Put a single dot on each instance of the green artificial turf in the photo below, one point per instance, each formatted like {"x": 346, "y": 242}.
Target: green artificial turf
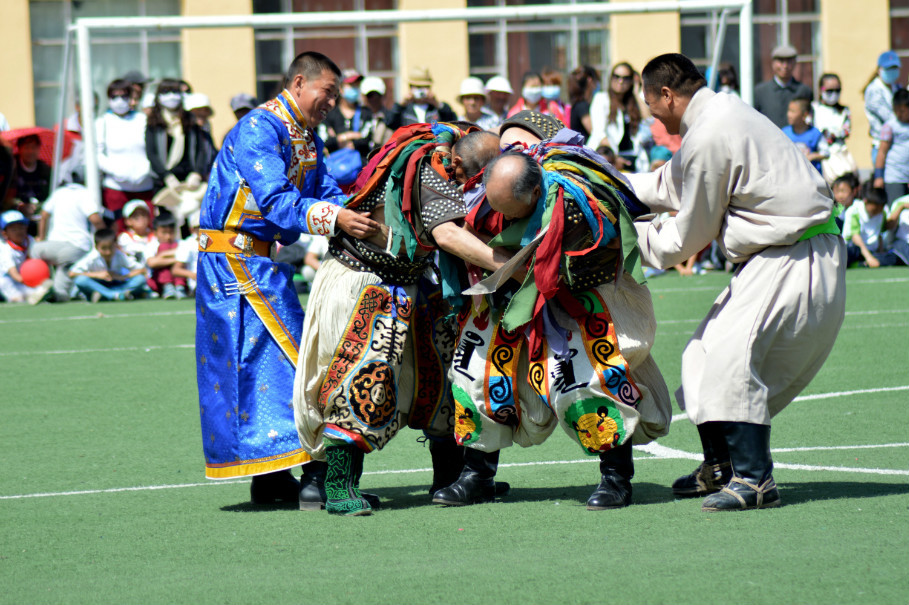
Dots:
{"x": 102, "y": 397}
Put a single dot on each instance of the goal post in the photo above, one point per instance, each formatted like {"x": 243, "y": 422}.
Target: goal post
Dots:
{"x": 83, "y": 28}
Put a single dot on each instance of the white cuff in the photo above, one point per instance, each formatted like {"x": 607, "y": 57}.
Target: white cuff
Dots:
{"x": 321, "y": 218}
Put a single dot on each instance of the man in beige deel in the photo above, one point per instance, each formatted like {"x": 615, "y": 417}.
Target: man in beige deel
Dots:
{"x": 739, "y": 180}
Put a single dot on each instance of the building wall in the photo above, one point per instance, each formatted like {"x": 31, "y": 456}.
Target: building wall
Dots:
{"x": 442, "y": 47}
{"x": 847, "y": 31}
{"x": 219, "y": 62}
{"x": 638, "y": 38}
{"x": 17, "y": 95}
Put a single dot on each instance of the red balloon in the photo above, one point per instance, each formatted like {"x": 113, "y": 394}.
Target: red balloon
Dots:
{"x": 34, "y": 271}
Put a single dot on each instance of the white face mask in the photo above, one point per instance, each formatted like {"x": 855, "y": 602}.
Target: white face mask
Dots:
{"x": 171, "y": 100}
{"x": 831, "y": 97}
{"x": 118, "y": 105}
{"x": 552, "y": 92}
{"x": 532, "y": 94}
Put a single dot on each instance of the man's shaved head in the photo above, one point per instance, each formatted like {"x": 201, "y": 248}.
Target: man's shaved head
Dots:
{"x": 472, "y": 152}
{"x": 514, "y": 183}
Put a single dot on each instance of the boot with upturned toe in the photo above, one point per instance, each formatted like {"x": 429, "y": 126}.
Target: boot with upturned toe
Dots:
{"x": 274, "y": 487}
{"x": 752, "y": 485}
{"x": 616, "y": 470}
{"x": 711, "y": 475}
{"x": 312, "y": 487}
{"x": 476, "y": 484}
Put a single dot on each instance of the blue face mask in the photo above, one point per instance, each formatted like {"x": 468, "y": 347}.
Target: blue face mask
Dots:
{"x": 552, "y": 92}
{"x": 352, "y": 94}
{"x": 890, "y": 75}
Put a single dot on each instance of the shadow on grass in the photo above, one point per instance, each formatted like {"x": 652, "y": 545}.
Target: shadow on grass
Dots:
{"x": 416, "y": 496}
{"x": 802, "y": 492}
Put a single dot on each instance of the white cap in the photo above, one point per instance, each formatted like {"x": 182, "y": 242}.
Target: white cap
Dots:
{"x": 372, "y": 84}
{"x": 196, "y": 100}
{"x": 471, "y": 86}
{"x": 499, "y": 84}
{"x": 132, "y": 205}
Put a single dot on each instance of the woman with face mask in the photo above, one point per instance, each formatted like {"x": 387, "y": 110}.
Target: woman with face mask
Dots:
{"x": 531, "y": 95}
{"x": 349, "y": 124}
{"x": 180, "y": 152}
{"x": 879, "y": 96}
{"x": 552, "y": 96}
{"x": 120, "y": 133}
{"x": 834, "y": 120}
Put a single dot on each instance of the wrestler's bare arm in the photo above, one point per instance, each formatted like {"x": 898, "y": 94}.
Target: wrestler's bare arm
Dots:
{"x": 458, "y": 240}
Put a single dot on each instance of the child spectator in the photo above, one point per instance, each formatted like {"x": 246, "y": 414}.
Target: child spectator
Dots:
{"x": 13, "y": 252}
{"x": 32, "y": 174}
{"x": 138, "y": 241}
{"x": 899, "y": 222}
{"x": 891, "y": 168}
{"x": 162, "y": 280}
{"x": 187, "y": 255}
{"x": 844, "y": 189}
{"x": 806, "y": 137}
{"x": 866, "y": 228}
{"x": 106, "y": 273}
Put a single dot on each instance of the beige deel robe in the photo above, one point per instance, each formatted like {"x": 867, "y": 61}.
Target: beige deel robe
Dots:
{"x": 739, "y": 180}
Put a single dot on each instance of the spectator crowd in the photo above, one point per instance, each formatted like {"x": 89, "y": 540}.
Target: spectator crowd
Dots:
{"x": 155, "y": 150}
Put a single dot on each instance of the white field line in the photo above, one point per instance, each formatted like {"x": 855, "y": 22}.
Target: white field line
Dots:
{"x": 98, "y": 315}
{"x": 682, "y": 416}
{"x": 656, "y": 451}
{"x": 894, "y": 280}
{"x": 107, "y": 350}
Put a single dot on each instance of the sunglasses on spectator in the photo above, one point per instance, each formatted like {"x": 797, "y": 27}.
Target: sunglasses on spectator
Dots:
{"x": 833, "y": 90}
{"x": 621, "y": 77}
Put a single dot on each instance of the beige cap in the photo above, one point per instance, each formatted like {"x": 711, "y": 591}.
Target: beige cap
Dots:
{"x": 419, "y": 76}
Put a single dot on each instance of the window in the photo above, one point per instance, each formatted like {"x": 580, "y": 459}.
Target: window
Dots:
{"x": 899, "y": 33}
{"x": 370, "y": 49}
{"x": 511, "y": 48}
{"x": 795, "y": 22}
{"x": 155, "y": 53}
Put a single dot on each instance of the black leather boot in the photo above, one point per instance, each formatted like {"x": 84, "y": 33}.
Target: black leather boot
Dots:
{"x": 476, "y": 483}
{"x": 752, "y": 485}
{"x": 714, "y": 472}
{"x": 312, "y": 487}
{"x": 617, "y": 469}
{"x": 447, "y": 463}
{"x": 274, "y": 487}
{"x": 342, "y": 481}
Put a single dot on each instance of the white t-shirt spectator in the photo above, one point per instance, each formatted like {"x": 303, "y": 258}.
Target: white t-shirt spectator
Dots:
{"x": 121, "y": 151}
{"x": 120, "y": 264}
{"x": 69, "y": 208}
{"x": 141, "y": 248}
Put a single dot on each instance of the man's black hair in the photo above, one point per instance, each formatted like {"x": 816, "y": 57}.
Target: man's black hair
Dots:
{"x": 531, "y": 176}
{"x": 674, "y": 71}
{"x": 311, "y": 65}
{"x": 476, "y": 150}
